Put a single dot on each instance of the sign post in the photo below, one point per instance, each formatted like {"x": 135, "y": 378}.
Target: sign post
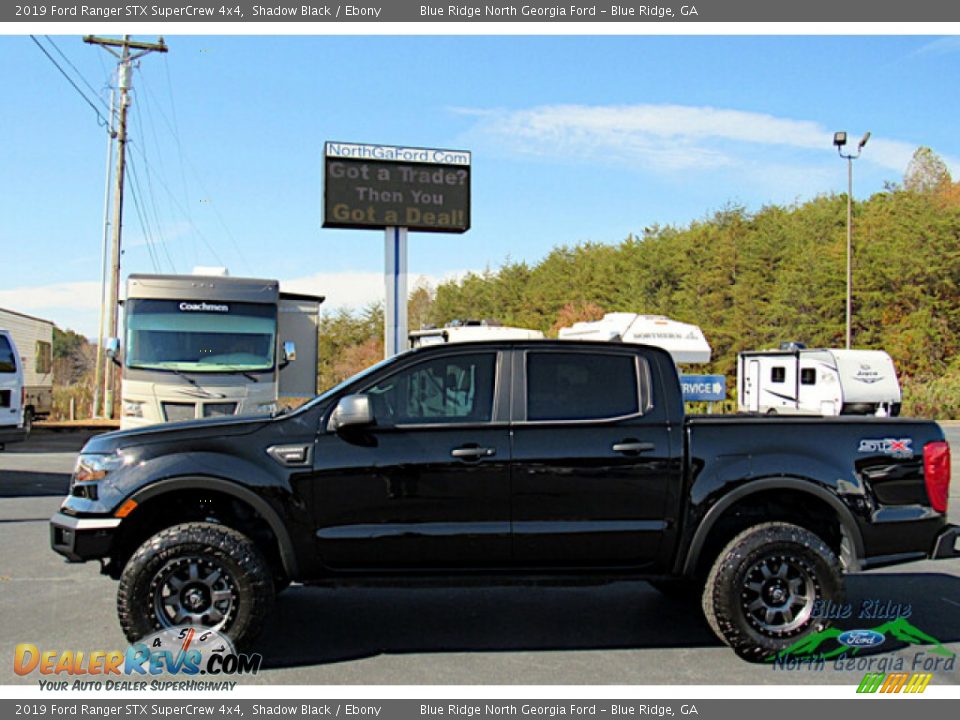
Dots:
{"x": 395, "y": 280}
{"x": 396, "y": 189}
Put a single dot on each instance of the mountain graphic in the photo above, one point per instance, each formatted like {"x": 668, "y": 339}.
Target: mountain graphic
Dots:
{"x": 899, "y": 629}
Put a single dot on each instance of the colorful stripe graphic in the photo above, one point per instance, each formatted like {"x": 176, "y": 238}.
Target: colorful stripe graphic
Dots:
{"x": 894, "y": 682}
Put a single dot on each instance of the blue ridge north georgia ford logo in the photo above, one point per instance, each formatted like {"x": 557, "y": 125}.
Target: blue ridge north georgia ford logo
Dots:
{"x": 861, "y": 638}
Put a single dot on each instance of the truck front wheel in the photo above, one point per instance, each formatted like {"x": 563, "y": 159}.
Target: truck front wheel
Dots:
{"x": 763, "y": 590}
{"x": 199, "y": 574}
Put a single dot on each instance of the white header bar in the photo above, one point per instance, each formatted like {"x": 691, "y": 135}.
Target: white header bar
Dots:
{"x": 394, "y": 153}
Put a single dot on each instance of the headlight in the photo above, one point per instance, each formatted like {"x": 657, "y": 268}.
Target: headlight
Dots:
{"x": 132, "y": 408}
{"x": 91, "y": 468}
{"x": 267, "y": 408}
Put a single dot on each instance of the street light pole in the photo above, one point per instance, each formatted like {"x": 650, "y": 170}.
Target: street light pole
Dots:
{"x": 840, "y": 139}
{"x": 849, "y": 247}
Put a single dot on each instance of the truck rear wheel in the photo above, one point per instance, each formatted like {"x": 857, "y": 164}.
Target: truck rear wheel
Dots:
{"x": 199, "y": 574}
{"x": 761, "y": 594}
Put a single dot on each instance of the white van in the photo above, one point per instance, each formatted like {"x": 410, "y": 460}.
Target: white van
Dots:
{"x": 801, "y": 381}
{"x": 33, "y": 338}
{"x": 11, "y": 392}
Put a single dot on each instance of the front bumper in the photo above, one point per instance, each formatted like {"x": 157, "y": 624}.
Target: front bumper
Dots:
{"x": 82, "y": 539}
{"x": 945, "y": 545}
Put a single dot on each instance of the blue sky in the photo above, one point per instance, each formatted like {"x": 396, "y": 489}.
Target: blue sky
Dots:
{"x": 573, "y": 139}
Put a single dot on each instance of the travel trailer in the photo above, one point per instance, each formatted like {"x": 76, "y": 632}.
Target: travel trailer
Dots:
{"x": 467, "y": 330}
{"x": 685, "y": 343}
{"x": 796, "y": 380}
{"x": 198, "y": 346}
{"x": 33, "y": 337}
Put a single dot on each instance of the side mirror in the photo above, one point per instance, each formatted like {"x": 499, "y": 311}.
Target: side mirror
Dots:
{"x": 112, "y": 349}
{"x": 288, "y": 353}
{"x": 351, "y": 411}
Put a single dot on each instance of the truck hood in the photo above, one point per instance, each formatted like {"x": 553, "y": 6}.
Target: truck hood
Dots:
{"x": 169, "y": 432}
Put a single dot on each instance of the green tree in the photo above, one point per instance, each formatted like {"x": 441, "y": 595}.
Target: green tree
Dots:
{"x": 927, "y": 172}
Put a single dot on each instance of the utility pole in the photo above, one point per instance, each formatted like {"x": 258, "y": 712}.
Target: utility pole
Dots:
{"x": 107, "y": 198}
{"x": 124, "y": 77}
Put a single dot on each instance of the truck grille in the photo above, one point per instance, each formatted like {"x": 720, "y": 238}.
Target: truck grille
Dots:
{"x": 176, "y": 412}
{"x": 219, "y": 409}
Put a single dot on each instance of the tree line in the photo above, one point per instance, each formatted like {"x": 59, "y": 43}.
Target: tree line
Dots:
{"x": 750, "y": 280}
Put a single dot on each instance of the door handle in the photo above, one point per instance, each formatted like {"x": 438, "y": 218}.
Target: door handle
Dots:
{"x": 629, "y": 446}
{"x": 472, "y": 453}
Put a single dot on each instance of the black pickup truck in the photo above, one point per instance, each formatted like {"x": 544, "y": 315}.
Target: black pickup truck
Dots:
{"x": 506, "y": 460}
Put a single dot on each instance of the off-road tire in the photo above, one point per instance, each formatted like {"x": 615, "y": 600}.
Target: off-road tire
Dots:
{"x": 251, "y": 583}
{"x": 732, "y": 586}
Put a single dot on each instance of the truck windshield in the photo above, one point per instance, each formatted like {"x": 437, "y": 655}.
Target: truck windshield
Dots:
{"x": 7, "y": 362}
{"x": 195, "y": 336}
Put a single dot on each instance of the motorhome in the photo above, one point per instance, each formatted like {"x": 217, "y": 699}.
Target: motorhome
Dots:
{"x": 467, "y": 330}
{"x": 34, "y": 339}
{"x": 198, "y": 346}
{"x": 685, "y": 343}
{"x": 796, "y": 380}
{"x": 12, "y": 392}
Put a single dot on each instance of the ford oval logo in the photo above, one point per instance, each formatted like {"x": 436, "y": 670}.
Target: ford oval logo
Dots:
{"x": 861, "y": 638}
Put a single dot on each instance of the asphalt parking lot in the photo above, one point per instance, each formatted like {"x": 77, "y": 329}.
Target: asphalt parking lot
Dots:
{"x": 620, "y": 633}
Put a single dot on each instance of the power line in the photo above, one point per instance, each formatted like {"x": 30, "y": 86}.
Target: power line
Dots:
{"x": 158, "y": 225}
{"x": 149, "y": 175}
{"x": 144, "y": 223}
{"x": 101, "y": 119}
{"x": 185, "y": 161}
{"x": 176, "y": 134}
{"x": 79, "y": 74}
{"x": 176, "y": 202}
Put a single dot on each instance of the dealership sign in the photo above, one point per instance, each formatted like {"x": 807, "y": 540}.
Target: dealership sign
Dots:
{"x": 710, "y": 388}
{"x": 380, "y": 186}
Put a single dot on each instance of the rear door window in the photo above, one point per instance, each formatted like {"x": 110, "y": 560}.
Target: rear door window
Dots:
{"x": 8, "y": 363}
{"x": 581, "y": 386}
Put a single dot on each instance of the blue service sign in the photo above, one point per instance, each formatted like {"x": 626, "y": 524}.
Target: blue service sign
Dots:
{"x": 711, "y": 388}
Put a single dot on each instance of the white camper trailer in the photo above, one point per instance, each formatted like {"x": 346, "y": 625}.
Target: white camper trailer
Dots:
{"x": 800, "y": 381}
{"x": 685, "y": 343}
{"x": 33, "y": 337}
{"x": 467, "y": 330}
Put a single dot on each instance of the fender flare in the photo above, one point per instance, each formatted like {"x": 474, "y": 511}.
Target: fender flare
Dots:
{"x": 287, "y": 554}
{"x": 847, "y": 522}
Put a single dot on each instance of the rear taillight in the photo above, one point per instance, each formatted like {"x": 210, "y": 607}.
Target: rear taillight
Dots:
{"x": 936, "y": 473}
{"x": 23, "y": 395}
